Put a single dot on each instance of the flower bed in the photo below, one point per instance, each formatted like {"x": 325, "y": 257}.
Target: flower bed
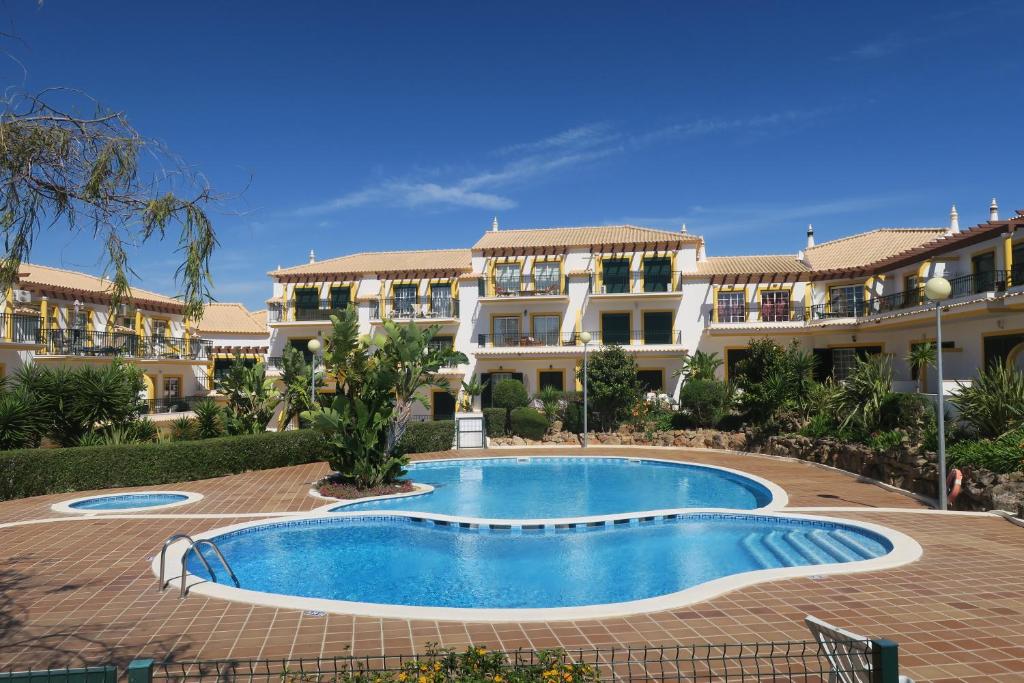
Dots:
{"x": 346, "y": 491}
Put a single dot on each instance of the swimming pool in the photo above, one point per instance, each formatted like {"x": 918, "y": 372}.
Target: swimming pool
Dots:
{"x": 127, "y": 502}
{"x": 555, "y": 487}
{"x": 407, "y": 563}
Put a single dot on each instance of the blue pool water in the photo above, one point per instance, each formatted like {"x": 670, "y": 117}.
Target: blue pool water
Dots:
{"x": 395, "y": 560}
{"x": 545, "y": 488}
{"x": 129, "y": 500}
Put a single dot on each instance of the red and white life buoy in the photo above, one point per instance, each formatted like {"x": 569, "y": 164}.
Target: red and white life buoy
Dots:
{"x": 953, "y": 482}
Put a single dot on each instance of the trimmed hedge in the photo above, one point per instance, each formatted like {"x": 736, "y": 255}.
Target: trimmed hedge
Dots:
{"x": 39, "y": 471}
{"x": 427, "y": 437}
{"x": 494, "y": 421}
{"x": 529, "y": 423}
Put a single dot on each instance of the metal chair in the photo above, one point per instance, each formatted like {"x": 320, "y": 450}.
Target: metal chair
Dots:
{"x": 848, "y": 654}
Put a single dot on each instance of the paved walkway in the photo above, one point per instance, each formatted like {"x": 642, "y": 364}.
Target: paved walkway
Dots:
{"x": 76, "y": 589}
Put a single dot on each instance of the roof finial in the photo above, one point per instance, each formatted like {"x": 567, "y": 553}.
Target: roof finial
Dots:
{"x": 682, "y": 228}
{"x": 954, "y": 220}
{"x": 810, "y": 235}
{"x": 312, "y": 256}
{"x": 494, "y": 224}
{"x": 993, "y": 210}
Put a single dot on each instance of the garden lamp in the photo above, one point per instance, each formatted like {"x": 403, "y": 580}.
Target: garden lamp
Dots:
{"x": 314, "y": 347}
{"x": 938, "y": 289}
{"x": 585, "y": 338}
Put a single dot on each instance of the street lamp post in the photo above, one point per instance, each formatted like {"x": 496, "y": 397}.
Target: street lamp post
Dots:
{"x": 585, "y": 338}
{"x": 938, "y": 289}
{"x": 314, "y": 347}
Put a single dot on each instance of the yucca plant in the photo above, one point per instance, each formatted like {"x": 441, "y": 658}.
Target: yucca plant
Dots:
{"x": 921, "y": 357}
{"x": 699, "y": 366}
{"x": 184, "y": 428}
{"x": 209, "y": 418}
{"x": 993, "y": 404}
{"x": 22, "y": 423}
{"x": 550, "y": 400}
{"x": 861, "y": 396}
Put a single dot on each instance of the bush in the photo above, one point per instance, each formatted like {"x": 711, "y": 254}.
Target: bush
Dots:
{"x": 613, "y": 386}
{"x": 529, "y": 423}
{"x": 36, "y": 472}
{"x": 427, "y": 437}
{"x": 682, "y": 421}
{"x": 510, "y": 394}
{"x": 1002, "y": 455}
{"x": 993, "y": 403}
{"x": 494, "y": 421}
{"x": 706, "y": 401}
{"x": 572, "y": 417}
{"x": 912, "y": 412}
{"x": 886, "y": 441}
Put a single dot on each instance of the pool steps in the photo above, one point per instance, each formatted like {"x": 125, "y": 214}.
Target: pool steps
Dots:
{"x": 802, "y": 547}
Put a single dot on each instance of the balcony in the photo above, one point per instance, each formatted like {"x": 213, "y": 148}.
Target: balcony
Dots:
{"x": 170, "y": 405}
{"x": 523, "y": 339}
{"x": 20, "y": 329}
{"x": 524, "y": 286}
{"x": 623, "y": 338}
{"x": 640, "y": 282}
{"x": 289, "y": 312}
{"x": 766, "y": 311}
{"x": 422, "y": 308}
{"x": 73, "y": 342}
{"x": 636, "y": 337}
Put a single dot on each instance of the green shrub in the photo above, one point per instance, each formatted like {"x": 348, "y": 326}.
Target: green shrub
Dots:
{"x": 1001, "y": 455}
{"x": 494, "y": 419}
{"x": 427, "y": 437}
{"x": 886, "y": 441}
{"x": 993, "y": 403}
{"x": 22, "y": 423}
{"x": 706, "y": 401}
{"x": 682, "y": 421}
{"x": 36, "y": 472}
{"x": 184, "y": 429}
{"x": 912, "y": 412}
{"x": 509, "y": 394}
{"x": 572, "y": 418}
{"x": 529, "y": 423}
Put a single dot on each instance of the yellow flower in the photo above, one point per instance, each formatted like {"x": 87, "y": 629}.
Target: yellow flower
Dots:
{"x": 498, "y": 678}
{"x": 423, "y": 679}
{"x": 402, "y": 676}
{"x": 481, "y": 650}
{"x": 437, "y": 666}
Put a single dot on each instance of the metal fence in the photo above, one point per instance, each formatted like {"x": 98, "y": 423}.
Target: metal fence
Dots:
{"x": 867, "y": 661}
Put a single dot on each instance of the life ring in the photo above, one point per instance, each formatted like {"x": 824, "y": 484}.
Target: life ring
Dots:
{"x": 953, "y": 482}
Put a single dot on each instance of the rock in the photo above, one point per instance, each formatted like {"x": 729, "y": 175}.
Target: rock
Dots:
{"x": 556, "y": 426}
{"x": 518, "y": 441}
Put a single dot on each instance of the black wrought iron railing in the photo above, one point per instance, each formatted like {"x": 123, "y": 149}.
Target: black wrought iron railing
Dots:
{"x": 275, "y": 362}
{"x": 639, "y": 281}
{"x": 420, "y": 308}
{"x": 20, "y": 328}
{"x": 622, "y": 338}
{"x": 766, "y": 311}
{"x": 636, "y": 337}
{"x": 178, "y": 404}
{"x": 76, "y": 342}
{"x": 979, "y": 283}
{"x": 293, "y": 311}
{"x": 525, "y": 285}
{"x": 503, "y": 339}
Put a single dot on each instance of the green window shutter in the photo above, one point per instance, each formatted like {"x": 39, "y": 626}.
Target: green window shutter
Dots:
{"x": 657, "y": 274}
{"x": 658, "y": 327}
{"x": 616, "y": 276}
{"x": 340, "y": 297}
{"x": 307, "y": 297}
{"x": 615, "y": 328}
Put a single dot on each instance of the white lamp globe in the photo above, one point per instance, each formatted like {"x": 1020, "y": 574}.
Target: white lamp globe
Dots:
{"x": 937, "y": 289}
{"x": 585, "y": 337}
{"x": 313, "y": 345}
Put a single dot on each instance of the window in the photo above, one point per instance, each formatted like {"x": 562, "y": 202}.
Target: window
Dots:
{"x": 733, "y": 357}
{"x": 443, "y": 342}
{"x": 914, "y": 369}
{"x": 651, "y": 380}
{"x": 307, "y": 298}
{"x": 491, "y": 380}
{"x": 657, "y": 274}
{"x": 341, "y": 297}
{"x": 552, "y": 378}
{"x": 984, "y": 268}
{"x": 658, "y": 327}
{"x": 441, "y": 300}
{"x": 172, "y": 387}
{"x": 506, "y": 279}
{"x": 443, "y": 406}
{"x": 405, "y": 300}
{"x": 847, "y": 300}
{"x": 507, "y": 331}
{"x": 616, "y": 276}
{"x": 912, "y": 291}
{"x": 775, "y": 306}
{"x": 615, "y": 328}
{"x": 843, "y": 362}
{"x": 546, "y": 277}
{"x": 1017, "y": 274}
{"x": 731, "y": 307}
{"x": 81, "y": 320}
{"x": 545, "y": 329}
{"x": 159, "y": 329}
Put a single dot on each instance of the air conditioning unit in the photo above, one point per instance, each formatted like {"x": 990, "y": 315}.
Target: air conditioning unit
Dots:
{"x": 22, "y": 296}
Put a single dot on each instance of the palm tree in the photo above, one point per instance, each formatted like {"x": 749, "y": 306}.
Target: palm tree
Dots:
{"x": 920, "y": 357}
{"x": 470, "y": 390}
{"x": 700, "y": 366}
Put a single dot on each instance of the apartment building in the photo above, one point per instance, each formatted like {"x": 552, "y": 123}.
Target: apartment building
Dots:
{"x": 517, "y": 301}
{"x": 61, "y": 317}
{"x": 232, "y": 332}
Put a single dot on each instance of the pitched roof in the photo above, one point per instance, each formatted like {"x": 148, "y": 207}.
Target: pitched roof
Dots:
{"x": 869, "y": 247}
{"x": 577, "y": 237}
{"x": 73, "y": 283}
{"x": 230, "y": 318}
{"x": 742, "y": 265}
{"x": 385, "y": 262}
{"x": 260, "y": 318}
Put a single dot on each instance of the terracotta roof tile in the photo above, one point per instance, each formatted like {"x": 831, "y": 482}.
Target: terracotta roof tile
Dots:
{"x": 579, "y": 237}
{"x": 866, "y": 248}
{"x": 230, "y": 318}
{"x": 46, "y": 277}
{"x": 260, "y": 318}
{"x": 753, "y": 265}
{"x": 385, "y": 262}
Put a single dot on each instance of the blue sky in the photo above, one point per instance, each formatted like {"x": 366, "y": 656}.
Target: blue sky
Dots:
{"x": 373, "y": 126}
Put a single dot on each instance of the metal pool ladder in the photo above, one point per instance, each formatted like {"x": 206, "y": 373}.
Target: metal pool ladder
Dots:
{"x": 193, "y": 546}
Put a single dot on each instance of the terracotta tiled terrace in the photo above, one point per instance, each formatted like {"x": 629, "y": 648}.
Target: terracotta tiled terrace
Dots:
{"x": 77, "y": 589}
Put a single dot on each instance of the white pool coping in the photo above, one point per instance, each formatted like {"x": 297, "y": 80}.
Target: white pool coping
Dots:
{"x": 65, "y": 506}
{"x": 905, "y": 550}
{"x": 780, "y": 498}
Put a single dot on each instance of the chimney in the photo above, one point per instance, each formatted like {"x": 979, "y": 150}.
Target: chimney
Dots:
{"x": 682, "y": 228}
{"x": 494, "y": 224}
{"x": 954, "y": 221}
{"x": 993, "y": 210}
{"x": 810, "y": 235}
{"x": 312, "y": 256}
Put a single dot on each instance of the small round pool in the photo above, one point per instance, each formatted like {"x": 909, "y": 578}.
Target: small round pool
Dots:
{"x": 555, "y": 487}
{"x": 415, "y": 562}
{"x": 122, "y": 502}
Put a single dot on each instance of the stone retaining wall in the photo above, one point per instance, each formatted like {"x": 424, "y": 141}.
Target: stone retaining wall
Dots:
{"x": 906, "y": 467}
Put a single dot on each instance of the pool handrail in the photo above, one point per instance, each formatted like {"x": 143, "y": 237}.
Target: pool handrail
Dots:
{"x": 195, "y": 546}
